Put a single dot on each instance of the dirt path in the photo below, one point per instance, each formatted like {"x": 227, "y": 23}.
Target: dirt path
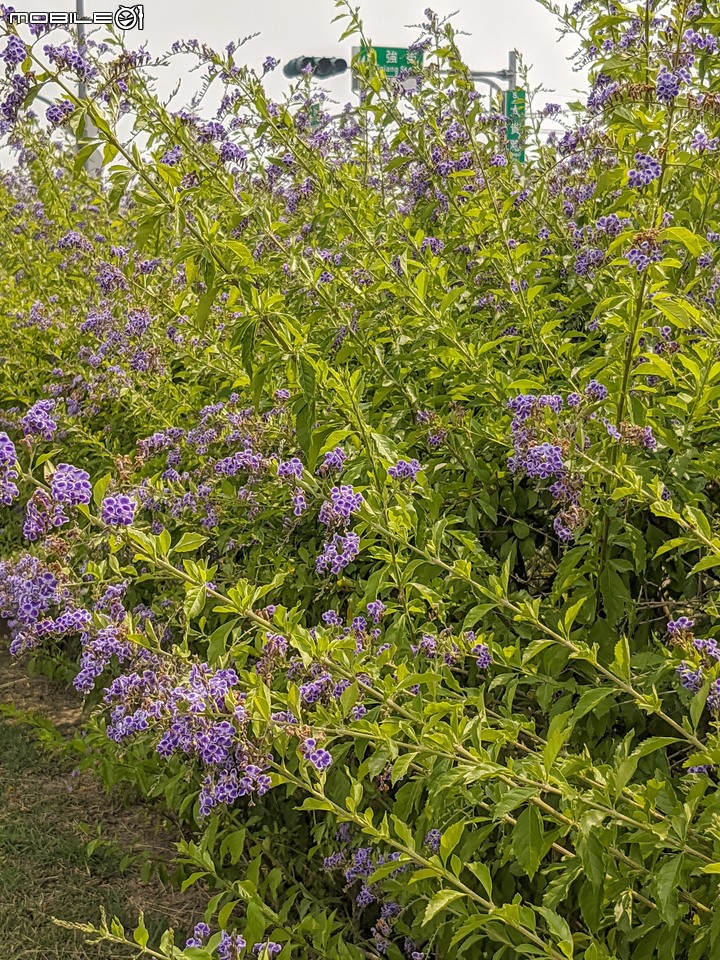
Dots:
{"x": 48, "y": 815}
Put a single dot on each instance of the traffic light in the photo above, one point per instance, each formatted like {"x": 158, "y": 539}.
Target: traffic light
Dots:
{"x": 322, "y": 67}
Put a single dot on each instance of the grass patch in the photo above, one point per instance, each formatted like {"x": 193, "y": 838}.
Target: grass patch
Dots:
{"x": 47, "y": 819}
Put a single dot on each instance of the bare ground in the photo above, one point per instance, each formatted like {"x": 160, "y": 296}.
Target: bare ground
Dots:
{"x": 48, "y": 814}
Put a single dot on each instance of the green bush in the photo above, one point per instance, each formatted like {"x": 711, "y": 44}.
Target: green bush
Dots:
{"x": 372, "y": 477}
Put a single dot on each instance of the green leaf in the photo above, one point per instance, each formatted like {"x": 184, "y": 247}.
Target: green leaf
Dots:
{"x": 665, "y": 885}
{"x": 688, "y": 239}
{"x": 140, "y": 933}
{"x": 527, "y": 840}
{"x": 614, "y": 593}
{"x": 558, "y": 733}
{"x": 194, "y": 600}
{"x": 450, "y": 839}
{"x": 589, "y": 700}
{"x": 224, "y": 914}
{"x": 262, "y": 700}
{"x": 189, "y": 542}
{"x": 591, "y": 850}
{"x": 439, "y": 902}
{"x": 99, "y": 489}
{"x": 482, "y": 872}
{"x": 218, "y": 640}
{"x": 621, "y": 663}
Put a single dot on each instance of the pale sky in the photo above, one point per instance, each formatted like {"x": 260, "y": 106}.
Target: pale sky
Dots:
{"x": 292, "y": 28}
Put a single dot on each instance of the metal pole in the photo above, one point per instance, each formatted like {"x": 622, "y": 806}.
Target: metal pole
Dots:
{"x": 92, "y": 164}
{"x": 80, "y": 24}
{"x": 481, "y": 78}
{"x": 512, "y": 63}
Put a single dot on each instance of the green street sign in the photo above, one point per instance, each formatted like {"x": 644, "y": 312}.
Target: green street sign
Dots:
{"x": 314, "y": 116}
{"x": 391, "y": 60}
{"x": 515, "y": 113}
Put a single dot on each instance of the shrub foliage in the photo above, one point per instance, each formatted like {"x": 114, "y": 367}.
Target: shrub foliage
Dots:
{"x": 370, "y": 480}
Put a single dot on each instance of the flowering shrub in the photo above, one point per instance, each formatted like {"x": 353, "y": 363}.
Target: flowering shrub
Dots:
{"x": 369, "y": 480}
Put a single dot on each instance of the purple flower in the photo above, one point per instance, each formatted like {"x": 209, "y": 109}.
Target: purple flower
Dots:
{"x": 58, "y": 112}
{"x": 680, "y": 627}
{"x": 70, "y": 485}
{"x": 230, "y": 947}
{"x": 646, "y": 170}
{"x": 482, "y": 652}
{"x": 15, "y": 51}
{"x": 433, "y": 245}
{"x": 118, "y": 511}
{"x": 267, "y": 949}
{"x": 405, "y": 469}
{"x": 690, "y": 679}
{"x": 701, "y": 143}
{"x": 200, "y": 935}
{"x": 713, "y": 700}
{"x": 668, "y": 85}
{"x": 320, "y": 759}
{"x": 338, "y": 553}
{"x": 172, "y": 156}
{"x": 232, "y": 152}
{"x": 595, "y": 390}
{"x": 333, "y": 461}
{"x": 427, "y": 646}
{"x": 299, "y": 502}
{"x": 432, "y": 839}
{"x": 376, "y": 608}
{"x": 38, "y": 421}
{"x": 8, "y": 471}
{"x": 291, "y": 468}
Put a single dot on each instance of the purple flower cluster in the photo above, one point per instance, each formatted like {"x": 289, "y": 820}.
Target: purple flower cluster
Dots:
{"x": 713, "y": 699}
{"x": 482, "y": 652}
{"x": 28, "y": 590}
{"x": 681, "y": 628}
{"x": 291, "y": 468}
{"x": 70, "y": 485}
{"x": 405, "y": 470}
{"x": 646, "y": 170}
{"x": 595, "y": 391}
{"x": 42, "y": 515}
{"x": 172, "y": 157}
{"x": 118, "y": 511}
{"x": 338, "y": 553}
{"x": 344, "y": 501}
{"x": 15, "y": 51}
{"x": 701, "y": 143}
{"x": 544, "y": 461}
{"x": 38, "y": 421}
{"x": 376, "y": 608}
{"x": 433, "y": 245}
{"x": 59, "y": 112}
{"x": 427, "y": 647}
{"x": 642, "y": 255}
{"x": 321, "y": 759}
{"x": 200, "y": 935}
{"x": 668, "y": 83}
{"x": 333, "y": 461}
{"x": 690, "y": 679}
{"x": 230, "y": 947}
{"x": 8, "y": 470}
{"x": 232, "y": 152}
{"x": 432, "y": 839}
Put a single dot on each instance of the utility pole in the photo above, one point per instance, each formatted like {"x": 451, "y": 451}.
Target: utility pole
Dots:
{"x": 93, "y": 164}
{"x": 490, "y": 77}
